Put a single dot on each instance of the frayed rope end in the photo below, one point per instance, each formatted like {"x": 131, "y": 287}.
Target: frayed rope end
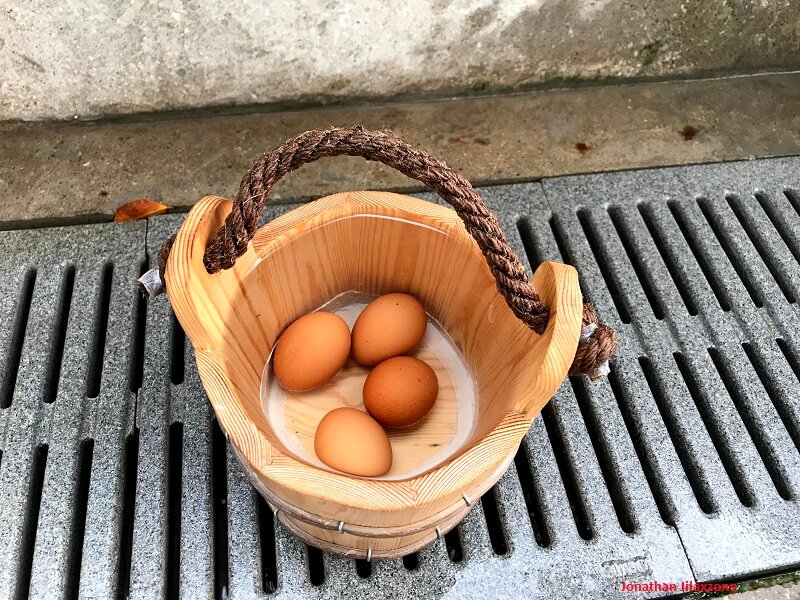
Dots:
{"x": 150, "y": 284}
{"x": 603, "y": 369}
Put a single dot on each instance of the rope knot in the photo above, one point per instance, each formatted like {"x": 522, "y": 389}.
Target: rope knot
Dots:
{"x": 597, "y": 345}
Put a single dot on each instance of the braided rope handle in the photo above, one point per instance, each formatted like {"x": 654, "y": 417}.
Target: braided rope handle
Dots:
{"x": 598, "y": 341}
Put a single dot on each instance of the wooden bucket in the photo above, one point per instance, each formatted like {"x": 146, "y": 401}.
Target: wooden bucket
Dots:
{"x": 374, "y": 243}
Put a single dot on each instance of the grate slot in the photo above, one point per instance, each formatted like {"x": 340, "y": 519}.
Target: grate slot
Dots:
{"x": 533, "y": 497}
{"x": 535, "y": 250}
{"x": 654, "y": 482}
{"x": 363, "y": 568}
{"x": 769, "y": 385}
{"x": 177, "y": 361}
{"x": 493, "y": 522}
{"x": 756, "y": 435}
{"x": 98, "y": 348}
{"x": 560, "y": 236}
{"x": 611, "y": 474}
{"x": 174, "y": 508}
{"x": 17, "y": 338}
{"x": 219, "y": 494}
{"x": 641, "y": 271}
{"x": 31, "y": 522}
{"x": 577, "y": 504}
{"x": 316, "y": 566}
{"x": 136, "y": 372}
{"x": 690, "y": 464}
{"x": 452, "y": 542}
{"x": 645, "y": 210}
{"x": 778, "y": 224}
{"x": 758, "y": 243}
{"x": 532, "y": 249}
{"x": 59, "y": 335}
{"x": 130, "y": 474}
{"x": 266, "y": 536}
{"x": 84, "y": 477}
{"x": 794, "y": 363}
{"x": 611, "y": 283}
{"x": 724, "y": 451}
{"x": 411, "y": 561}
{"x": 710, "y": 273}
{"x": 717, "y": 230}
{"x": 793, "y": 196}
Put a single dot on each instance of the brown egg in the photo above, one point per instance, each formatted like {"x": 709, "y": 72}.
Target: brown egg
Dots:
{"x": 350, "y": 440}
{"x": 390, "y": 325}
{"x": 400, "y": 391}
{"x": 311, "y": 351}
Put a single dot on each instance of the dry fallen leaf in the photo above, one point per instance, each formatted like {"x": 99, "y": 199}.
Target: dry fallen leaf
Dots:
{"x": 139, "y": 209}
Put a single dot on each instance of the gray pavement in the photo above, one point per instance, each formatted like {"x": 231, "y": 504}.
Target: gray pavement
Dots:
{"x": 85, "y": 171}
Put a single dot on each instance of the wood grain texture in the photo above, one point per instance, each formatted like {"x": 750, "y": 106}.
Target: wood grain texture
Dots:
{"x": 374, "y": 243}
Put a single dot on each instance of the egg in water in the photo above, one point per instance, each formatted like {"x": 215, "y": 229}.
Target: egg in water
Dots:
{"x": 351, "y": 441}
{"x": 390, "y": 325}
{"x": 311, "y": 351}
{"x": 400, "y": 391}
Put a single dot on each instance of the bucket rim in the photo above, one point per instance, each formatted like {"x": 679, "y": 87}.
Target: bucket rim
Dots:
{"x": 295, "y": 481}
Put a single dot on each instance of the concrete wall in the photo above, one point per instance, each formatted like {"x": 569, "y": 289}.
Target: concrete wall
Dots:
{"x": 62, "y": 58}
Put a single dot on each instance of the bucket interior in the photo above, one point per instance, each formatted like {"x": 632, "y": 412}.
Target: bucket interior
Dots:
{"x": 357, "y": 257}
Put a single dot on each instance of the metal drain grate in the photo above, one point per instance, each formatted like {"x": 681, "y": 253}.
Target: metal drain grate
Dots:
{"x": 115, "y": 480}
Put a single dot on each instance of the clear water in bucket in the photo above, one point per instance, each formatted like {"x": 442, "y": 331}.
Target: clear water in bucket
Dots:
{"x": 294, "y": 416}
